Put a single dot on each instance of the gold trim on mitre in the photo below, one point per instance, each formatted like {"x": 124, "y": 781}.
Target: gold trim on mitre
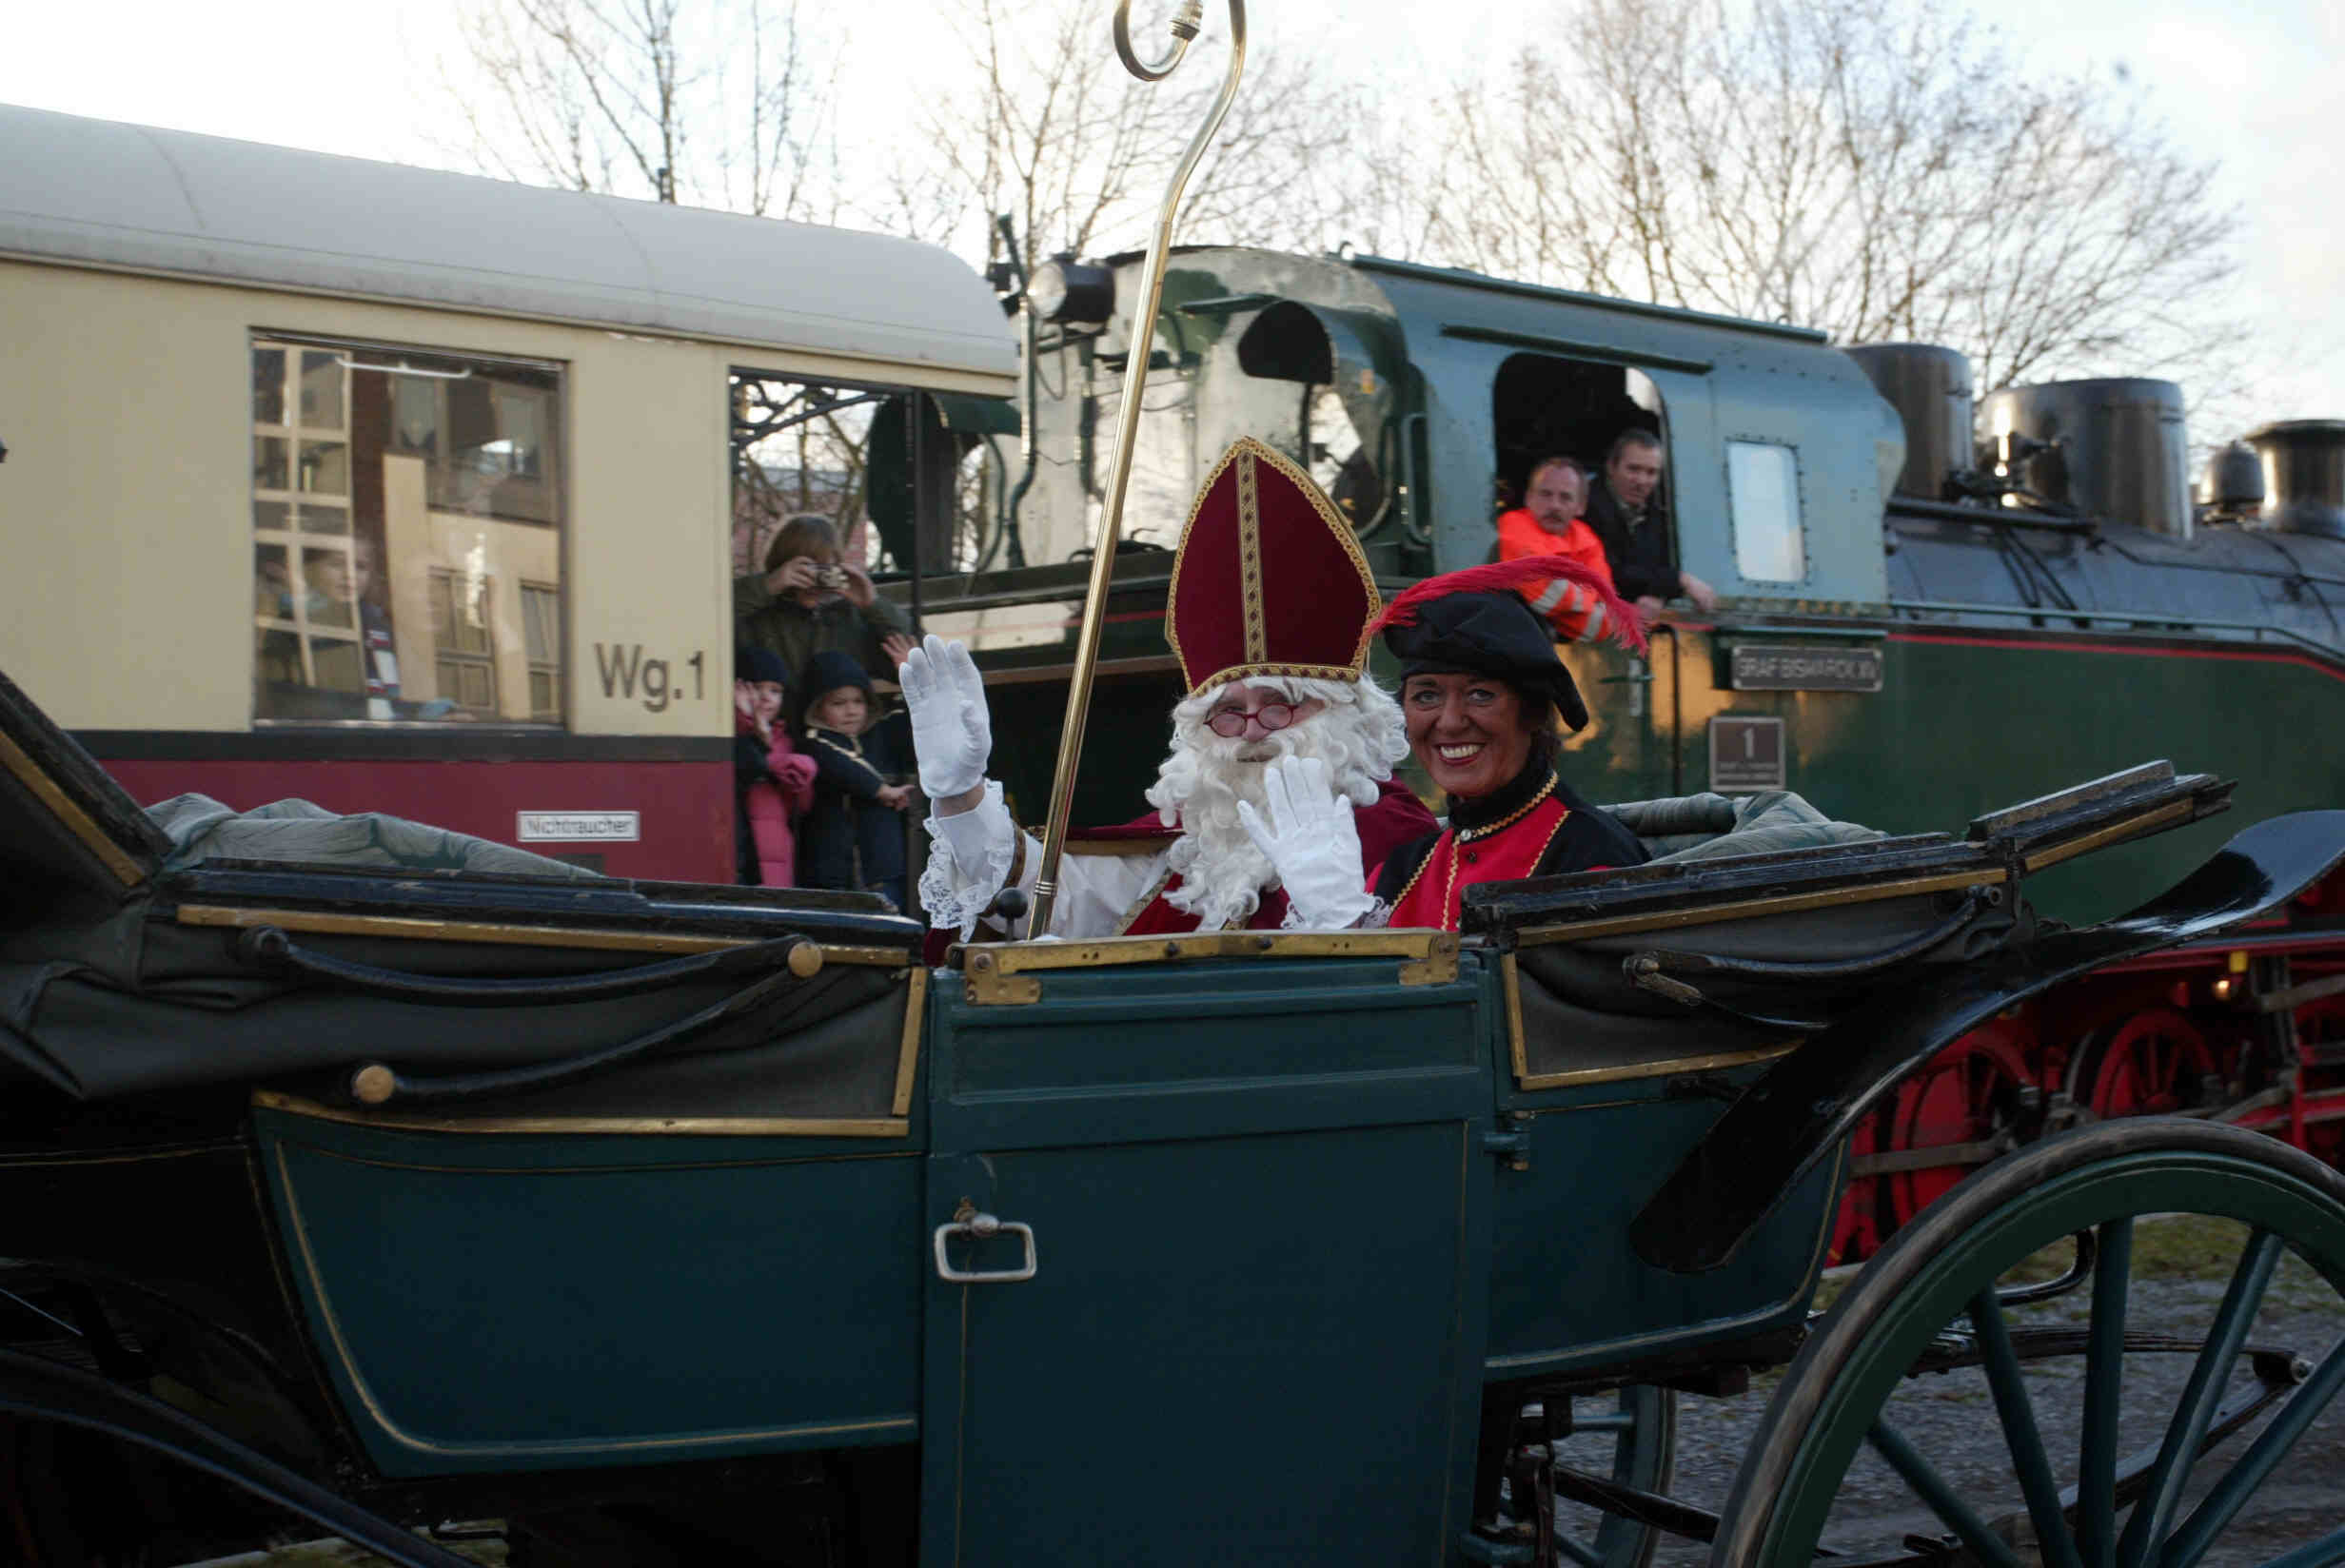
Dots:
{"x": 1250, "y": 452}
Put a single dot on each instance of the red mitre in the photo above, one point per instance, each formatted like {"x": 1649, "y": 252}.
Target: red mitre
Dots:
{"x": 1269, "y": 580}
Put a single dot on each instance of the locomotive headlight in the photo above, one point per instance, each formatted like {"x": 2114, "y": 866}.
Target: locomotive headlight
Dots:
{"x": 1064, "y": 289}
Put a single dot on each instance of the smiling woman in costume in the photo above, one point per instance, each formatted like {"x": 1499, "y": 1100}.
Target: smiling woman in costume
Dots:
{"x": 1480, "y": 689}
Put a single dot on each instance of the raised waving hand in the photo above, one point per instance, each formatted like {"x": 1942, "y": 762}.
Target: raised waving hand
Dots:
{"x": 1307, "y": 832}
{"x": 951, "y": 733}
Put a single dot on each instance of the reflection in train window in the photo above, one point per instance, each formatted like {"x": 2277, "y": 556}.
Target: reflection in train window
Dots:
{"x": 885, "y": 466}
{"x": 1335, "y": 415}
{"x": 1762, "y": 501}
{"x": 407, "y": 519}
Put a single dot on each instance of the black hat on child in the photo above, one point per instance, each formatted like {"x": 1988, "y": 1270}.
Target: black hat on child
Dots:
{"x": 760, "y": 664}
{"x": 826, "y": 673}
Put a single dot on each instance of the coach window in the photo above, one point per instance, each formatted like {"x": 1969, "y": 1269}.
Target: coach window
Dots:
{"x": 896, "y": 473}
{"x": 407, "y": 510}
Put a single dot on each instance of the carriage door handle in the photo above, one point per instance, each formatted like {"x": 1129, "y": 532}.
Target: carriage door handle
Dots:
{"x": 968, "y": 1222}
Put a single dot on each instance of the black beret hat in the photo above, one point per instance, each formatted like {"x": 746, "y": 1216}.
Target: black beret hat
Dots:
{"x": 1475, "y": 622}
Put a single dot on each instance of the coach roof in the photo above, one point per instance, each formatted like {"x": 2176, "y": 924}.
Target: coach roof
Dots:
{"x": 102, "y": 194}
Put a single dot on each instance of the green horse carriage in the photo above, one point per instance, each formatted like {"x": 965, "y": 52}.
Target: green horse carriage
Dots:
{"x": 670, "y": 1224}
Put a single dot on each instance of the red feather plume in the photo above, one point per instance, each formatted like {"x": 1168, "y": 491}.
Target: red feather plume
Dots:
{"x": 1527, "y": 572}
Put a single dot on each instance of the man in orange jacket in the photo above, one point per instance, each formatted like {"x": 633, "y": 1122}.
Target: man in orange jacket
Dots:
{"x": 1549, "y": 524}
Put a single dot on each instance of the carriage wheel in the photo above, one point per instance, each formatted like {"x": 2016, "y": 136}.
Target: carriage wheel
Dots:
{"x": 1930, "y": 1422}
{"x": 1631, "y": 1440}
{"x": 2155, "y": 1063}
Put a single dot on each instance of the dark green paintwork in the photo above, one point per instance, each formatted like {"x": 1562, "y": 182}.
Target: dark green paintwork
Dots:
{"x": 2036, "y": 713}
{"x": 1567, "y": 1292}
{"x": 1261, "y": 1209}
{"x": 503, "y": 1302}
{"x": 1279, "y": 1255}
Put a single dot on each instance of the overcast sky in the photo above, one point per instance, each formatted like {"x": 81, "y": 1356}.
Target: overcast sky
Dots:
{"x": 2254, "y": 84}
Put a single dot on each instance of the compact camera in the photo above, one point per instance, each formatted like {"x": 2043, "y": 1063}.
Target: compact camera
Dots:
{"x": 831, "y": 576}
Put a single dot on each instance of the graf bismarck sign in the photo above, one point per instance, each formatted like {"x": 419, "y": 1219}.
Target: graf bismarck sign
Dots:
{"x": 1765, "y": 667}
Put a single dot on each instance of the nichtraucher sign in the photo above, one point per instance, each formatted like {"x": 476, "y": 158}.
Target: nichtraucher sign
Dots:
{"x": 1763, "y": 667}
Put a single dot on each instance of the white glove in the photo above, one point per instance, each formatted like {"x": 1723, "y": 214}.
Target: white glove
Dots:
{"x": 1312, "y": 842}
{"x": 952, "y": 733}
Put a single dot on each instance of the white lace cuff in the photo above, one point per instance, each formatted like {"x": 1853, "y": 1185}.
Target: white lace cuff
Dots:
{"x": 970, "y": 856}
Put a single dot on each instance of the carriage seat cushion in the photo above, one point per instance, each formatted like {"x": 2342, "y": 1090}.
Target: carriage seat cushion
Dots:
{"x": 1702, "y": 827}
{"x": 202, "y": 829}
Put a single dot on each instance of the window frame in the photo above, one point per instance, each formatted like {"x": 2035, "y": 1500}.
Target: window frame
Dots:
{"x": 1741, "y": 527}
{"x": 553, "y": 479}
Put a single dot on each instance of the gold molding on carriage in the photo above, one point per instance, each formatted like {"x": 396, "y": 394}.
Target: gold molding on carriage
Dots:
{"x": 1578, "y": 930}
{"x": 898, "y": 1125}
{"x": 2172, "y": 812}
{"x": 35, "y": 778}
{"x": 1510, "y": 981}
{"x": 509, "y": 934}
{"x": 908, "y": 1055}
{"x": 1001, "y": 973}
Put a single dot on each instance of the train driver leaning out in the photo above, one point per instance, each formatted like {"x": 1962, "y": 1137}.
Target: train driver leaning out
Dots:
{"x": 1269, "y": 616}
{"x": 1631, "y": 517}
{"x": 1548, "y": 523}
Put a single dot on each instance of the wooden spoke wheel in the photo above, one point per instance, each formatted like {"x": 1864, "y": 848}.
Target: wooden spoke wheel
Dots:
{"x": 2154, "y": 1064}
{"x": 1630, "y": 1437}
{"x": 1933, "y": 1419}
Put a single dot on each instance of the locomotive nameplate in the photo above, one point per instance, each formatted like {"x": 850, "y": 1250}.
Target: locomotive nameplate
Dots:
{"x": 1777, "y": 668}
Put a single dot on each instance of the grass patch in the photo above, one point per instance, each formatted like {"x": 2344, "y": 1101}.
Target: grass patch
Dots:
{"x": 2171, "y": 1247}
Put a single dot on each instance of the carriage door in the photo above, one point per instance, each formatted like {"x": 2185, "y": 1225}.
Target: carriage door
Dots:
{"x": 1199, "y": 1286}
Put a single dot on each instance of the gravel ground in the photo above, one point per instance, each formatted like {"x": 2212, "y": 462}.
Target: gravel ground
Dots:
{"x": 1951, "y": 1417}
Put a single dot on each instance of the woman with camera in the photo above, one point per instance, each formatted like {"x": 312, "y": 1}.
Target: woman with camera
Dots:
{"x": 809, "y": 601}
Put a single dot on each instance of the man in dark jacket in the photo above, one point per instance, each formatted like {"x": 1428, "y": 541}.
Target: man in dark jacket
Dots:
{"x": 1626, "y": 509}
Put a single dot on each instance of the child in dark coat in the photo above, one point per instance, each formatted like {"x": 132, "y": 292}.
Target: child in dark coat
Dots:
{"x": 853, "y": 837}
{"x": 772, "y": 782}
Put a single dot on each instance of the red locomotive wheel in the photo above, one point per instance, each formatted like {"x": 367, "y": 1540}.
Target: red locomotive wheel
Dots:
{"x": 1964, "y": 1100}
{"x": 2320, "y": 1035}
{"x": 2155, "y": 1063}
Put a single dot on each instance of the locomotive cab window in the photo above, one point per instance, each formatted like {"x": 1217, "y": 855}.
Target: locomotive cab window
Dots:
{"x": 1544, "y": 406}
{"x": 407, "y": 519}
{"x": 1762, "y": 504}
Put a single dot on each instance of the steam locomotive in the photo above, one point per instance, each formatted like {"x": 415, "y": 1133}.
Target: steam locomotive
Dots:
{"x": 1926, "y": 597}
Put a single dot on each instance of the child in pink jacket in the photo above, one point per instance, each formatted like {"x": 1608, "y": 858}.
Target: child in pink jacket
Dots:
{"x": 771, "y": 782}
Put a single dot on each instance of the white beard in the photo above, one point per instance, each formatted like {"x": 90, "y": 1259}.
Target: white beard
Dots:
{"x": 1359, "y": 736}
